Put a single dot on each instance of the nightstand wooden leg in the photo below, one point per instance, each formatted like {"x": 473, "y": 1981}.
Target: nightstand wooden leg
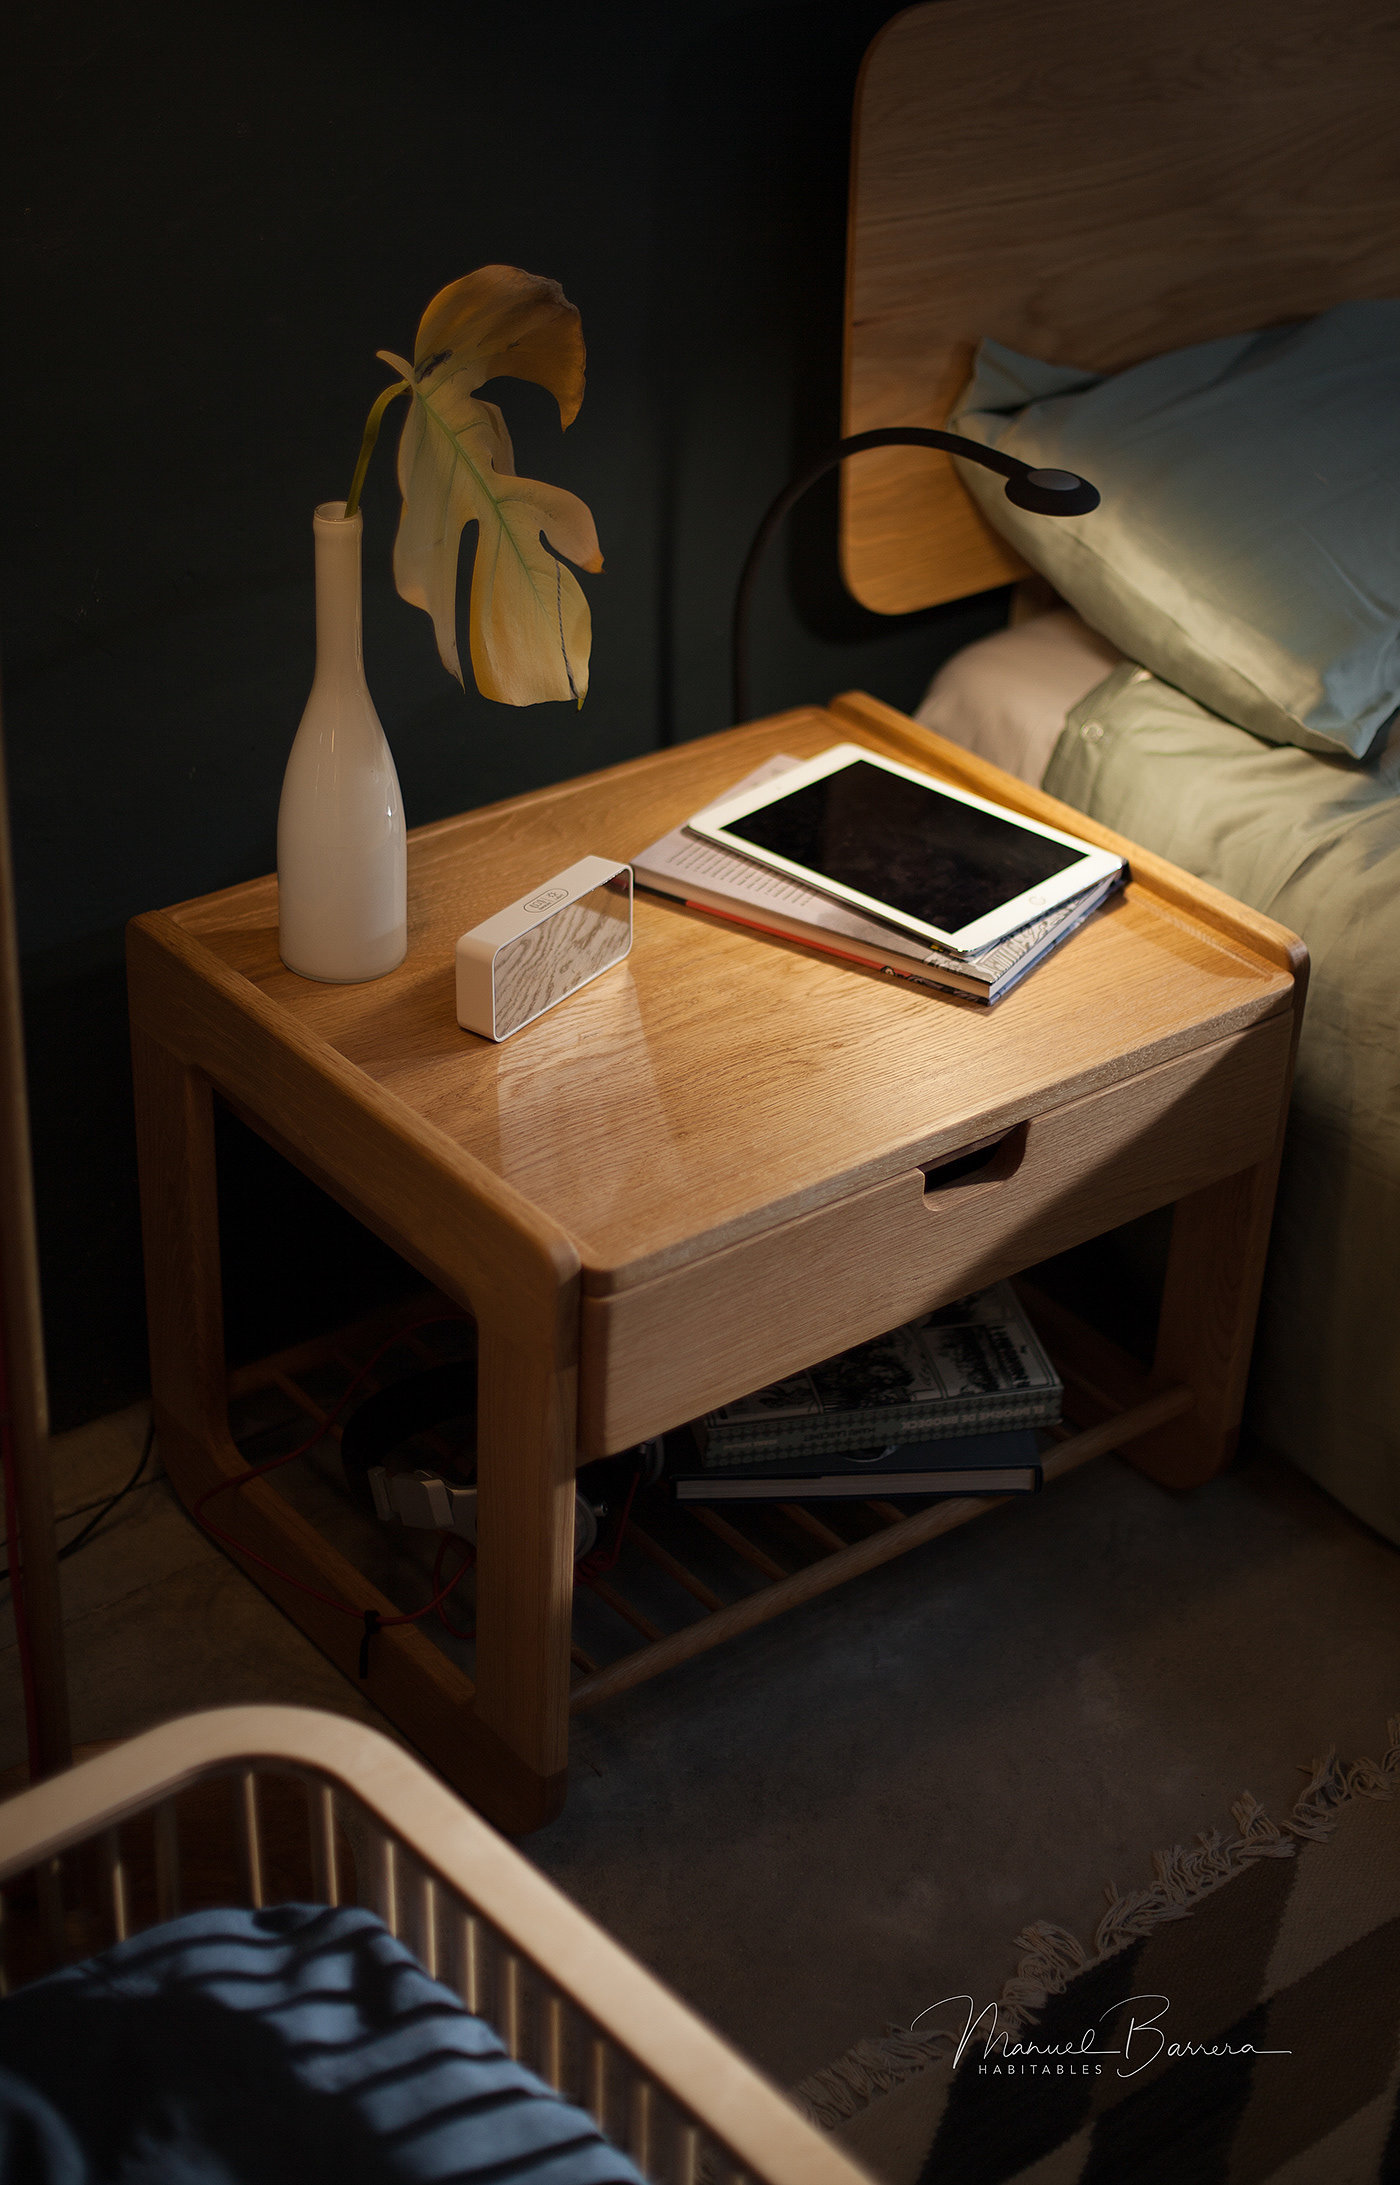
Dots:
{"x": 180, "y": 1225}
{"x": 517, "y": 1776}
{"x": 525, "y": 1529}
{"x": 1214, "y": 1273}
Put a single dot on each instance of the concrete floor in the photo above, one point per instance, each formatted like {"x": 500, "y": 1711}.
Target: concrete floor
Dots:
{"x": 824, "y": 1827}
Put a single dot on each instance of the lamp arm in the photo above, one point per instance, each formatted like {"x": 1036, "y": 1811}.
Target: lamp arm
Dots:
{"x": 1044, "y": 492}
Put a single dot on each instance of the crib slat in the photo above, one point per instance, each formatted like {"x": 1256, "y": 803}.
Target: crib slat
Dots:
{"x": 509, "y": 2020}
{"x": 552, "y": 2042}
{"x": 428, "y": 1925}
{"x": 245, "y": 1809}
{"x": 688, "y": 2155}
{"x": 641, "y": 2135}
{"x": 470, "y": 1981}
{"x": 320, "y": 1822}
{"x": 117, "y": 1894}
{"x": 597, "y": 2104}
{"x": 379, "y": 1885}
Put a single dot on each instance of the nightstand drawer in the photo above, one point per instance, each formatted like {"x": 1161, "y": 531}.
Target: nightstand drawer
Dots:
{"x": 663, "y": 1352}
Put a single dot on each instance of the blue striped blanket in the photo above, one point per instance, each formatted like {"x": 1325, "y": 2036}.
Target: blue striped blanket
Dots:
{"x": 297, "y": 2046}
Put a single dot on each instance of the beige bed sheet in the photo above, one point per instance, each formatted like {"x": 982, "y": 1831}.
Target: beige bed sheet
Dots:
{"x": 1315, "y": 843}
{"x": 1006, "y": 697}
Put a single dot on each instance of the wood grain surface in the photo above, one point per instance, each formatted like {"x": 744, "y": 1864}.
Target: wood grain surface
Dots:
{"x": 717, "y": 1082}
{"x": 810, "y": 1287}
{"x": 1092, "y": 183}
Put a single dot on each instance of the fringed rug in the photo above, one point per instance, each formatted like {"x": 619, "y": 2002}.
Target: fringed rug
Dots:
{"x": 1238, "y": 2023}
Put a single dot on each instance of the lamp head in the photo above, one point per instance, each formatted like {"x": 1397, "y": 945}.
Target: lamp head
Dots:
{"x": 1052, "y": 493}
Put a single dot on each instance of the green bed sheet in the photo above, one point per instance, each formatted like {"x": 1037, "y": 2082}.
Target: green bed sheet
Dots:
{"x": 1315, "y": 843}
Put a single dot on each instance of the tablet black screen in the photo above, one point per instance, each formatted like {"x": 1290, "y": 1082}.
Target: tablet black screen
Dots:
{"x": 900, "y": 843}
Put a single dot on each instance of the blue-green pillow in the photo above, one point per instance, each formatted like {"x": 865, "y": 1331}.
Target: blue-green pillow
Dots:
{"x": 1248, "y": 545}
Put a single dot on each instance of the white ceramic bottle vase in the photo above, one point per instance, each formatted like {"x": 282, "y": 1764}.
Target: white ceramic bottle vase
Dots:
{"x": 341, "y": 859}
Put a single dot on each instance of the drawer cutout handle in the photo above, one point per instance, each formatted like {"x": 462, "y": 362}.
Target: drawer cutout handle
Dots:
{"x": 989, "y": 1161}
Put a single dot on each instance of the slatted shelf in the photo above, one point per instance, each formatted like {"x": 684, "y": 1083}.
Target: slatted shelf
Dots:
{"x": 675, "y": 1579}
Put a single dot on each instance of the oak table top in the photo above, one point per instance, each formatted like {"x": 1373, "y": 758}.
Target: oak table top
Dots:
{"x": 719, "y": 1081}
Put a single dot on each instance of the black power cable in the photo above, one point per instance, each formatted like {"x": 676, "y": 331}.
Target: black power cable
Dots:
{"x": 104, "y": 1509}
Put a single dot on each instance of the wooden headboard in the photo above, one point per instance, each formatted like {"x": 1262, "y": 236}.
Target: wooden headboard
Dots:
{"x": 1092, "y": 181}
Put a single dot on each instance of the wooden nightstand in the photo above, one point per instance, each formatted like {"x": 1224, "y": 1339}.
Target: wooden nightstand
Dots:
{"x": 717, "y": 1164}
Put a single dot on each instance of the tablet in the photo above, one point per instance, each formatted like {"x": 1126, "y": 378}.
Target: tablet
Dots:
{"x": 937, "y": 862}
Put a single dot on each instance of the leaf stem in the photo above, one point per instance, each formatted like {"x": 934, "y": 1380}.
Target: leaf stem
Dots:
{"x": 372, "y": 425}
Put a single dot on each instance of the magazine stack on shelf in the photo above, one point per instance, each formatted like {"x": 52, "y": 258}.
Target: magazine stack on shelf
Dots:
{"x": 951, "y": 1403}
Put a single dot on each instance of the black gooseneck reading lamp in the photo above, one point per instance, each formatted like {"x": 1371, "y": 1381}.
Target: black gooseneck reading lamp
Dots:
{"x": 1043, "y": 492}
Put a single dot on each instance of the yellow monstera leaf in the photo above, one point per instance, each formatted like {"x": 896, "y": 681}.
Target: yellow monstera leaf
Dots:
{"x": 530, "y": 629}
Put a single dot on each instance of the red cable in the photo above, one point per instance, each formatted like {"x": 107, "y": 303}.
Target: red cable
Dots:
{"x": 468, "y": 1559}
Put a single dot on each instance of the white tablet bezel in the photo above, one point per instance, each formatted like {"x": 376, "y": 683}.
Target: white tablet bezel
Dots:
{"x": 1094, "y": 866}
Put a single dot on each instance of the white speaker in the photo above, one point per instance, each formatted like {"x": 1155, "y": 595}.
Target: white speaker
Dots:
{"x": 513, "y": 967}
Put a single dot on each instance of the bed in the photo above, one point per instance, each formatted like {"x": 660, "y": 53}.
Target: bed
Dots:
{"x": 440, "y": 2009}
{"x": 1094, "y": 186}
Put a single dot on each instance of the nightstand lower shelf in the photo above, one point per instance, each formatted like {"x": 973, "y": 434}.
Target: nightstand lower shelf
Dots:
{"x": 829, "y": 1545}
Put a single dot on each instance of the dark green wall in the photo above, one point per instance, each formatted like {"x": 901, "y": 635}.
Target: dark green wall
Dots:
{"x": 217, "y": 214}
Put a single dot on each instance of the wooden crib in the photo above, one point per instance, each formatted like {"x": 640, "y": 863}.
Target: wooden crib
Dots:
{"x": 107, "y": 1849}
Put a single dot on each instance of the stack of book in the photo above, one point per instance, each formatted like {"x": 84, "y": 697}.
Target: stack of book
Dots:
{"x": 705, "y": 877}
{"x": 950, "y": 1403}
